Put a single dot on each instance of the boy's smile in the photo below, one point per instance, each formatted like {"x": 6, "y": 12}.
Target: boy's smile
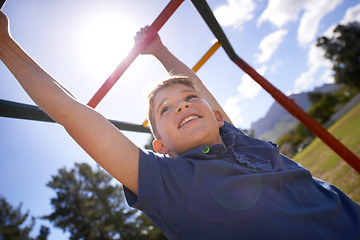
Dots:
{"x": 184, "y": 120}
{"x": 187, "y": 120}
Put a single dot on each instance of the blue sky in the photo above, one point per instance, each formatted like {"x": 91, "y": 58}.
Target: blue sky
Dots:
{"x": 81, "y": 42}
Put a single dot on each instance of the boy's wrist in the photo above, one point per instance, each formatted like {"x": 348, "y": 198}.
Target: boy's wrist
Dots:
{"x": 161, "y": 52}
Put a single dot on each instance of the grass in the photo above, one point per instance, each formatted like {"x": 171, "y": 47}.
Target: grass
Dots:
{"x": 325, "y": 164}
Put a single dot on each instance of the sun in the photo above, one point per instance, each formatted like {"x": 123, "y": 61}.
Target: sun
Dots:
{"x": 104, "y": 41}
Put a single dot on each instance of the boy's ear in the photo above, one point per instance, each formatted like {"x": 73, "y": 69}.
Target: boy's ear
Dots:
{"x": 160, "y": 147}
{"x": 219, "y": 118}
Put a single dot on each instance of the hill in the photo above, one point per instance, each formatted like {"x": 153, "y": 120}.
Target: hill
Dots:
{"x": 277, "y": 121}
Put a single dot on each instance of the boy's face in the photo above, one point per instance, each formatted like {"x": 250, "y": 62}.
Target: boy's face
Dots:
{"x": 184, "y": 120}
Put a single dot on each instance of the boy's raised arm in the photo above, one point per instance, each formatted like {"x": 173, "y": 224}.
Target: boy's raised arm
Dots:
{"x": 94, "y": 133}
{"x": 174, "y": 65}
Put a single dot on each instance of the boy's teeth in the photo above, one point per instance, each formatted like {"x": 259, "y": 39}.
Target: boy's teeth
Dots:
{"x": 187, "y": 120}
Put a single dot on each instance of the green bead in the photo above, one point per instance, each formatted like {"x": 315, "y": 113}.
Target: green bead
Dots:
{"x": 206, "y": 149}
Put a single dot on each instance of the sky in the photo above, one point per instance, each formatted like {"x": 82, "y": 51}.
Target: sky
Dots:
{"x": 81, "y": 42}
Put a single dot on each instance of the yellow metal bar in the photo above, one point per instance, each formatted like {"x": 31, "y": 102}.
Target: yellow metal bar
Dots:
{"x": 145, "y": 123}
{"x": 198, "y": 65}
{"x": 206, "y": 57}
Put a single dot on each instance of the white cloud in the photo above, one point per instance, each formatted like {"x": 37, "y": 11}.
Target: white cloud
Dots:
{"x": 352, "y": 15}
{"x": 316, "y": 57}
{"x": 327, "y": 76}
{"x": 232, "y": 109}
{"x": 281, "y": 12}
{"x": 269, "y": 44}
{"x": 305, "y": 80}
{"x": 288, "y": 93}
{"x": 235, "y": 13}
{"x": 316, "y": 60}
{"x": 248, "y": 88}
{"x": 275, "y": 67}
{"x": 309, "y": 23}
{"x": 329, "y": 32}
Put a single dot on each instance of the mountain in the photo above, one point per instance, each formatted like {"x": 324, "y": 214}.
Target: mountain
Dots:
{"x": 277, "y": 121}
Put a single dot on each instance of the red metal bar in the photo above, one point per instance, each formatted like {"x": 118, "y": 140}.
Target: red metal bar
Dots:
{"x": 205, "y": 11}
{"x": 303, "y": 117}
{"x": 135, "y": 51}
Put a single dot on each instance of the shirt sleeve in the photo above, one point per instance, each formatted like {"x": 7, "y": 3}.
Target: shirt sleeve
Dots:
{"x": 164, "y": 185}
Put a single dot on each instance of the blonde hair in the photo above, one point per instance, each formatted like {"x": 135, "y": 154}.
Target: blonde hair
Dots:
{"x": 170, "y": 81}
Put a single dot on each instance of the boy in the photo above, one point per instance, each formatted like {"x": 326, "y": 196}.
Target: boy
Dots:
{"x": 217, "y": 183}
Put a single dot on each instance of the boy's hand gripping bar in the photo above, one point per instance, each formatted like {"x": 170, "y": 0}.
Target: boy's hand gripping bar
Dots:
{"x": 135, "y": 51}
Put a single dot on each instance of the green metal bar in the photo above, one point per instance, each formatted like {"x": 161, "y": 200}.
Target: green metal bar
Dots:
{"x": 30, "y": 112}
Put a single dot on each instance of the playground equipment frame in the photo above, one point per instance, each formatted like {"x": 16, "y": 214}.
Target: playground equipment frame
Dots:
{"x": 10, "y": 109}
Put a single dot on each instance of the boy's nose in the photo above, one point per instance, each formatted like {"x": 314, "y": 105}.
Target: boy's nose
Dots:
{"x": 182, "y": 106}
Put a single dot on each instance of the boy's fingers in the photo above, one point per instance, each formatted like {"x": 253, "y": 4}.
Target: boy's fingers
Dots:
{"x": 141, "y": 35}
{"x": 139, "y": 38}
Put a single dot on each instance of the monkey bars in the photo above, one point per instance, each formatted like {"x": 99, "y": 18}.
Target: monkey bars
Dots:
{"x": 198, "y": 65}
{"x": 206, "y": 13}
{"x": 289, "y": 104}
{"x": 135, "y": 51}
{"x": 30, "y": 112}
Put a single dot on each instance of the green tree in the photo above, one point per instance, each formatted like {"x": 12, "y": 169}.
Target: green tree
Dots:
{"x": 314, "y": 96}
{"x": 149, "y": 145}
{"x": 44, "y": 232}
{"x": 249, "y": 132}
{"x": 343, "y": 49}
{"x": 303, "y": 133}
{"x": 323, "y": 107}
{"x": 148, "y": 229}
{"x": 89, "y": 205}
{"x": 12, "y": 222}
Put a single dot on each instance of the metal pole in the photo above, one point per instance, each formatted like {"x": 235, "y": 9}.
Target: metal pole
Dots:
{"x": 2, "y": 2}
{"x": 354, "y": 161}
{"x": 302, "y": 116}
{"x": 198, "y": 65}
{"x": 135, "y": 51}
{"x": 30, "y": 112}
{"x": 206, "y": 57}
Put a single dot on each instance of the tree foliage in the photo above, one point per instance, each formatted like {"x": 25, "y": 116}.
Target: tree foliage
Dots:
{"x": 146, "y": 228}
{"x": 323, "y": 106}
{"x": 89, "y": 205}
{"x": 343, "y": 49}
{"x": 12, "y": 222}
{"x": 149, "y": 145}
{"x": 44, "y": 232}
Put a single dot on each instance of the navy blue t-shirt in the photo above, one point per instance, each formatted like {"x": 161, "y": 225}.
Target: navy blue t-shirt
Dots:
{"x": 244, "y": 190}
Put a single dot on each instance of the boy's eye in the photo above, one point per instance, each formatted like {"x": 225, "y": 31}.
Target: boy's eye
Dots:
{"x": 190, "y": 97}
{"x": 163, "y": 110}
